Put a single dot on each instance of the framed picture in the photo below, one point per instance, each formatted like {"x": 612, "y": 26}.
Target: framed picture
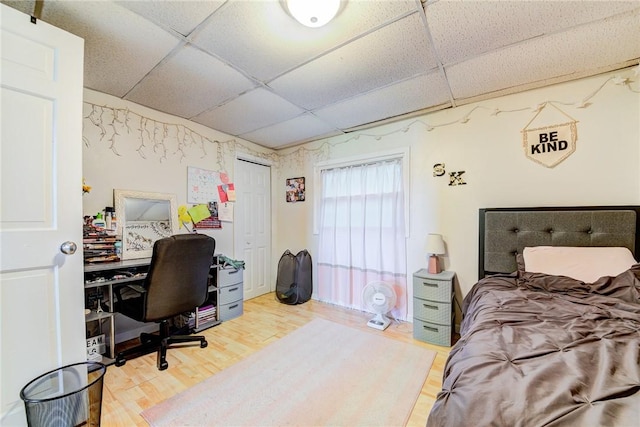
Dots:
{"x": 295, "y": 189}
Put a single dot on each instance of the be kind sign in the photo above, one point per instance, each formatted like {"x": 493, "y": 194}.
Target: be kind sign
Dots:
{"x": 550, "y": 144}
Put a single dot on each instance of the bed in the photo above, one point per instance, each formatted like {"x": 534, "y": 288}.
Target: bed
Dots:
{"x": 539, "y": 346}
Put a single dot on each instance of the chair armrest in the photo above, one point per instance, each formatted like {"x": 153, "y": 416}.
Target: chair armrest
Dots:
{"x": 124, "y": 292}
{"x": 137, "y": 288}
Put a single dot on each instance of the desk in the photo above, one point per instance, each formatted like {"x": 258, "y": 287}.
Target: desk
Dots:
{"x": 103, "y": 277}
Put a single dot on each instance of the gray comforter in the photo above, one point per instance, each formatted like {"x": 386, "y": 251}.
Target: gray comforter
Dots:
{"x": 539, "y": 350}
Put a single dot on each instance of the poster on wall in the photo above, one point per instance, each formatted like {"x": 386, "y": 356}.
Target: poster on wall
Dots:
{"x": 549, "y": 142}
{"x": 210, "y": 221}
{"x": 295, "y": 189}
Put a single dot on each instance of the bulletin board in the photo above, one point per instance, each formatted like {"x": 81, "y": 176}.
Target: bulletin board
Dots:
{"x": 202, "y": 185}
{"x": 213, "y": 189}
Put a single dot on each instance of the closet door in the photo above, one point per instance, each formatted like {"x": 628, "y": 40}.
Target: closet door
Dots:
{"x": 41, "y": 287}
{"x": 252, "y": 226}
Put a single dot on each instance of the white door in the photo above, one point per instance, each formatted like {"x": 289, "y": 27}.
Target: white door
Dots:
{"x": 41, "y": 289}
{"x": 253, "y": 225}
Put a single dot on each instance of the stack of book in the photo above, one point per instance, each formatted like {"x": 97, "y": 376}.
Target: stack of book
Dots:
{"x": 206, "y": 314}
{"x": 100, "y": 245}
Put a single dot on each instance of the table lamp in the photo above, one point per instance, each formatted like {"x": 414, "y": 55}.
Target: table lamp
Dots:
{"x": 434, "y": 246}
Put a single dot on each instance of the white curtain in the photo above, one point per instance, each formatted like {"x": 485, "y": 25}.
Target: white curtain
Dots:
{"x": 362, "y": 234}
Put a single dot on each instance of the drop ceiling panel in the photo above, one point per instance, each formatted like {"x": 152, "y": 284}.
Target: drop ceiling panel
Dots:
{"x": 561, "y": 54}
{"x": 188, "y": 83}
{"x": 262, "y": 39}
{"x": 250, "y": 111}
{"x": 274, "y": 82}
{"x": 285, "y": 133}
{"x": 410, "y": 95}
{"x": 464, "y": 29}
{"x": 120, "y": 46}
{"x": 360, "y": 66}
{"x": 173, "y": 15}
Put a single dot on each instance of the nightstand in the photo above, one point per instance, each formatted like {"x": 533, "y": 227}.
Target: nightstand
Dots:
{"x": 432, "y": 307}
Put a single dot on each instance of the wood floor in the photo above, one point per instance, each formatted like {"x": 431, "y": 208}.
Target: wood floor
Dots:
{"x": 138, "y": 385}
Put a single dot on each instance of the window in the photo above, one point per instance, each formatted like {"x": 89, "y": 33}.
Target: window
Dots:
{"x": 361, "y": 227}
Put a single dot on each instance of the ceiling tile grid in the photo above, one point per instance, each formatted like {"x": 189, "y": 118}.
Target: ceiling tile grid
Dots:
{"x": 360, "y": 66}
{"x": 548, "y": 57}
{"x": 173, "y": 15}
{"x": 465, "y": 29}
{"x": 188, "y": 83}
{"x": 247, "y": 68}
{"x": 120, "y": 46}
{"x": 413, "y": 94}
{"x": 259, "y": 108}
{"x": 262, "y": 39}
{"x": 301, "y": 128}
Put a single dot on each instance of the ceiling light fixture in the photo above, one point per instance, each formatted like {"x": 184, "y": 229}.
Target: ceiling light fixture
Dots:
{"x": 313, "y": 13}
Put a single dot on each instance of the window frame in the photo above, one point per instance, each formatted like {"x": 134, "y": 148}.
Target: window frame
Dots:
{"x": 400, "y": 153}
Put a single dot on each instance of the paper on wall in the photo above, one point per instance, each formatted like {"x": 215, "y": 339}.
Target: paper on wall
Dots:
{"x": 225, "y": 212}
{"x": 199, "y": 212}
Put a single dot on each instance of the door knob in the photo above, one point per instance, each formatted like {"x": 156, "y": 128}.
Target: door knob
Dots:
{"x": 68, "y": 248}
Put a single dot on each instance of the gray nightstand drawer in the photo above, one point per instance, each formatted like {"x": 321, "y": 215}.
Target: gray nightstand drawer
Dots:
{"x": 432, "y": 332}
{"x": 229, "y": 276}
{"x": 431, "y": 311}
{"x": 230, "y": 294}
{"x": 229, "y": 311}
{"x": 433, "y": 287}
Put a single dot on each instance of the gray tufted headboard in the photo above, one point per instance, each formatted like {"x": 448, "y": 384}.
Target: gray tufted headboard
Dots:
{"x": 505, "y": 232}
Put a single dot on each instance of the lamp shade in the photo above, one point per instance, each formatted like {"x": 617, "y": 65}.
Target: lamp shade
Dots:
{"x": 434, "y": 244}
{"x": 313, "y": 13}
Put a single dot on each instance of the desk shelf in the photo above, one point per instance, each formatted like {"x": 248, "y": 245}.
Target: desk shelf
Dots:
{"x": 99, "y": 284}
{"x": 93, "y": 316}
{"x": 212, "y": 301}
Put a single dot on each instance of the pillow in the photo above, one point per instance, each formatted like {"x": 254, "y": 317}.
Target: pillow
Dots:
{"x": 624, "y": 287}
{"x": 587, "y": 264}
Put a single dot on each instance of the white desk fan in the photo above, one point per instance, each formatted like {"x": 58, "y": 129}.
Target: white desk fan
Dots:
{"x": 380, "y": 298}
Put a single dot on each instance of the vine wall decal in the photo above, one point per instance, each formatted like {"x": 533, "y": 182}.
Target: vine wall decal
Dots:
{"x": 323, "y": 151}
{"x": 157, "y": 137}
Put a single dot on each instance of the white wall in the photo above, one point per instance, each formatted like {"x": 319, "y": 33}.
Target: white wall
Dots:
{"x": 603, "y": 170}
{"x": 122, "y": 163}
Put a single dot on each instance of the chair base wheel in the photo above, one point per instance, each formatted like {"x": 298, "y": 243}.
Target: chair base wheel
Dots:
{"x": 203, "y": 344}
{"x": 120, "y": 362}
{"x": 162, "y": 366}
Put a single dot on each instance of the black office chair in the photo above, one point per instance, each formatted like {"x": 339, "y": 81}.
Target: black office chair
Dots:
{"x": 176, "y": 283}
